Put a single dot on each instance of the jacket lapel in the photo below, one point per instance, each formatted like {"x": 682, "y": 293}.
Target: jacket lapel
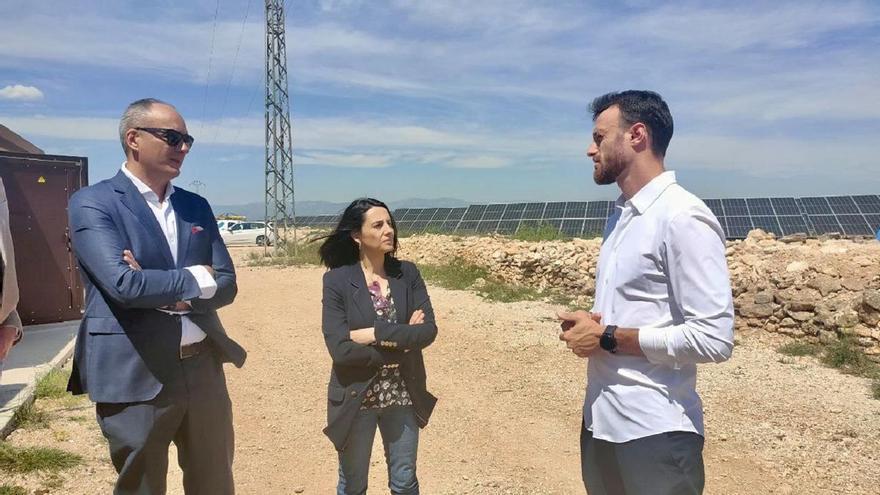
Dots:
{"x": 362, "y": 299}
{"x": 184, "y": 228}
{"x": 136, "y": 203}
{"x": 398, "y": 293}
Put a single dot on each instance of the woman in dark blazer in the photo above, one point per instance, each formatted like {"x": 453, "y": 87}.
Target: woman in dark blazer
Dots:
{"x": 377, "y": 318}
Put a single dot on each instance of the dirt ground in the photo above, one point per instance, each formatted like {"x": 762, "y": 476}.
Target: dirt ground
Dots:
{"x": 510, "y": 402}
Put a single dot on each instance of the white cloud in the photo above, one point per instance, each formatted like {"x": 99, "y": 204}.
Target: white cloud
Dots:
{"x": 774, "y": 157}
{"x": 770, "y": 25}
{"x": 21, "y": 93}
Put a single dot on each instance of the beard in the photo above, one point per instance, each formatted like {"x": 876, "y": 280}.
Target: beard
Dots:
{"x": 608, "y": 170}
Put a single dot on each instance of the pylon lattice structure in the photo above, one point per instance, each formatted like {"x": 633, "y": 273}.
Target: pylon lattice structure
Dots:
{"x": 279, "y": 138}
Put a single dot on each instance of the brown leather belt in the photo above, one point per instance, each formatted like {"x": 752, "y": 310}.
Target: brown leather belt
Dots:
{"x": 194, "y": 349}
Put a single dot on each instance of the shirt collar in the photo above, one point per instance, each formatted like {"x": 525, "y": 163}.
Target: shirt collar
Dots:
{"x": 649, "y": 193}
{"x": 145, "y": 189}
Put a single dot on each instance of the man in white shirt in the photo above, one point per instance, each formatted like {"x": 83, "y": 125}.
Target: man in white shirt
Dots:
{"x": 10, "y": 323}
{"x": 663, "y": 304}
{"x": 150, "y": 348}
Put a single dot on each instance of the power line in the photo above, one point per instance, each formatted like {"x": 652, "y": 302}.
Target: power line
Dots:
{"x": 247, "y": 113}
{"x": 232, "y": 75}
{"x": 210, "y": 59}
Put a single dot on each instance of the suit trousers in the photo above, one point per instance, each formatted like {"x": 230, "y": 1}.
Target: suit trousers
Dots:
{"x": 669, "y": 463}
{"x": 195, "y": 413}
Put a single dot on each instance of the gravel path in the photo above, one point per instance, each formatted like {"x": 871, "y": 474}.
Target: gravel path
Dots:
{"x": 508, "y": 417}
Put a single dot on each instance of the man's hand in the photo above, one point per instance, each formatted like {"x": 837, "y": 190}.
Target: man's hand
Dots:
{"x": 129, "y": 258}
{"x": 179, "y": 306}
{"x": 417, "y": 318}
{"x": 364, "y": 336}
{"x": 7, "y": 337}
{"x": 581, "y": 331}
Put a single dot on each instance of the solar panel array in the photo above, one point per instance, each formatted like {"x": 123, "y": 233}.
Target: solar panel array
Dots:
{"x": 849, "y": 216}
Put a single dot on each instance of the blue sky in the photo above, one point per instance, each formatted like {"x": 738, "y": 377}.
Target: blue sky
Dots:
{"x": 477, "y": 100}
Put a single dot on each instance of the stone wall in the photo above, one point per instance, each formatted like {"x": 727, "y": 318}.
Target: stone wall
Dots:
{"x": 815, "y": 289}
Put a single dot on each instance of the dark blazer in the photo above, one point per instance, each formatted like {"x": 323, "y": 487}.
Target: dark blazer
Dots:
{"x": 347, "y": 306}
{"x": 125, "y": 349}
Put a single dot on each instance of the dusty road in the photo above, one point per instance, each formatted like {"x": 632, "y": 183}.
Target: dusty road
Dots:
{"x": 510, "y": 399}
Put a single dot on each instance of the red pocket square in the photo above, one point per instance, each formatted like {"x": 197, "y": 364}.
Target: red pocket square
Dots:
{"x": 196, "y": 229}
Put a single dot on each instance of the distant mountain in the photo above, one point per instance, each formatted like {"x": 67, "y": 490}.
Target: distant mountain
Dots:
{"x": 257, "y": 211}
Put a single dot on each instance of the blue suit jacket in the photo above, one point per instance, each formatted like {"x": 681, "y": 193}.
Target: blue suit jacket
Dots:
{"x": 126, "y": 350}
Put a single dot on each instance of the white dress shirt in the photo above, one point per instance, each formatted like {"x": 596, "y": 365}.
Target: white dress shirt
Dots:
{"x": 662, "y": 269}
{"x": 164, "y": 213}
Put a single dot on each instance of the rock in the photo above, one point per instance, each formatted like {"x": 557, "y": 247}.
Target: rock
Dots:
{"x": 871, "y": 299}
{"x": 853, "y": 284}
{"x": 756, "y": 310}
{"x": 787, "y": 322}
{"x": 800, "y": 315}
{"x": 825, "y": 284}
{"x": 797, "y": 267}
{"x": 765, "y": 297}
{"x": 793, "y": 238}
{"x": 800, "y": 306}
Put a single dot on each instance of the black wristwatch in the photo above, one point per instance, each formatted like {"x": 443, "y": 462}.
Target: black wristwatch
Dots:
{"x": 608, "y": 340}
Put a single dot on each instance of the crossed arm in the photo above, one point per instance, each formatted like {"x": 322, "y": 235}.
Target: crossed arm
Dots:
{"x": 100, "y": 248}
{"x": 355, "y": 347}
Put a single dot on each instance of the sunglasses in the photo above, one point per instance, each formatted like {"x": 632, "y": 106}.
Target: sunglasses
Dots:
{"x": 170, "y": 136}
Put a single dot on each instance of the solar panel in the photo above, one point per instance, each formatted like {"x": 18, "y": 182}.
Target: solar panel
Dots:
{"x": 456, "y": 214}
{"x": 723, "y": 222}
{"x": 816, "y": 206}
{"x": 598, "y": 209}
{"x": 594, "y": 227}
{"x": 715, "y": 206}
{"x": 474, "y": 212}
{"x": 554, "y": 223}
{"x": 534, "y": 211}
{"x": 441, "y": 215}
{"x": 513, "y": 211}
{"x": 494, "y": 212}
{"x": 825, "y": 224}
{"x": 554, "y": 211}
{"x": 467, "y": 226}
{"x": 792, "y": 224}
{"x": 572, "y": 227}
{"x": 759, "y": 207}
{"x": 576, "y": 210}
{"x": 426, "y": 214}
{"x": 450, "y": 225}
{"x": 843, "y": 205}
{"x": 507, "y": 227}
{"x": 815, "y": 215}
{"x": 785, "y": 206}
{"x": 735, "y": 207}
{"x": 868, "y": 203}
{"x": 854, "y": 225}
{"x": 487, "y": 226}
{"x": 738, "y": 227}
{"x": 529, "y": 224}
{"x": 767, "y": 224}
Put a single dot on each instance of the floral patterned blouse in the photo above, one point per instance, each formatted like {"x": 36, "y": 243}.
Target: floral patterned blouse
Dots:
{"x": 388, "y": 388}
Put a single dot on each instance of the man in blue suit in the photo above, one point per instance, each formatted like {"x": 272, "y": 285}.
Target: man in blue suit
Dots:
{"x": 150, "y": 347}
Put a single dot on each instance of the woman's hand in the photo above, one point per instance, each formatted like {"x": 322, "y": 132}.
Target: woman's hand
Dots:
{"x": 417, "y": 317}
{"x": 363, "y": 336}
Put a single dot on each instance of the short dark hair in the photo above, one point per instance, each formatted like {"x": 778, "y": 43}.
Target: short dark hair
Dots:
{"x": 339, "y": 249}
{"x": 646, "y": 107}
